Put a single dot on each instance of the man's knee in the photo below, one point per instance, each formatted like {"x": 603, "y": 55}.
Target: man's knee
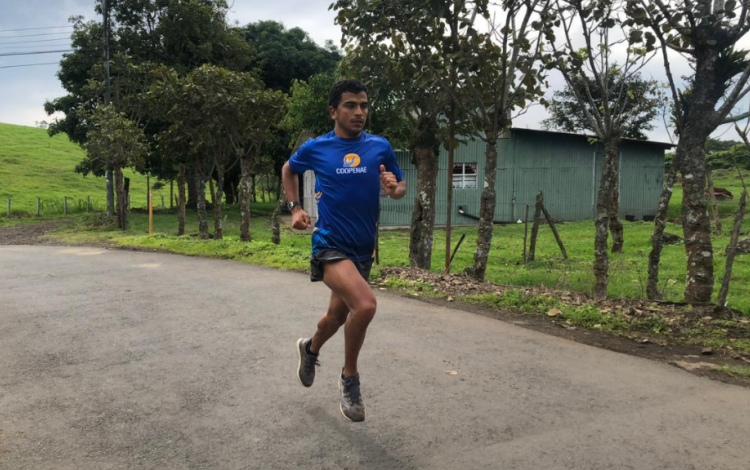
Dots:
{"x": 367, "y": 307}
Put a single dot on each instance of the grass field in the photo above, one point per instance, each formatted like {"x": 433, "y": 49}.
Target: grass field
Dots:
{"x": 34, "y": 165}
{"x": 627, "y": 275}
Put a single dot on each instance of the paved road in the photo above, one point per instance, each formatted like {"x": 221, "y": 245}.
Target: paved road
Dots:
{"x": 115, "y": 359}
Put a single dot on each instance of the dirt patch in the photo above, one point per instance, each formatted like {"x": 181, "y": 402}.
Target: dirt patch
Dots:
{"x": 30, "y": 234}
{"x": 672, "y": 346}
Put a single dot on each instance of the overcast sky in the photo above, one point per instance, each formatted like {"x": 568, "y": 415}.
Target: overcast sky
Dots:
{"x": 23, "y": 90}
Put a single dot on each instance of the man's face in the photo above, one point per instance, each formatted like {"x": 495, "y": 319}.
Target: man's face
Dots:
{"x": 351, "y": 114}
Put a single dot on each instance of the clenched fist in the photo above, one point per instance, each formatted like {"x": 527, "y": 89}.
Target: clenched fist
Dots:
{"x": 300, "y": 219}
{"x": 388, "y": 181}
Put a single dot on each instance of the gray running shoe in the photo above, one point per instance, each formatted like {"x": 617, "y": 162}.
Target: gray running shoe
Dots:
{"x": 306, "y": 364}
{"x": 352, "y": 405}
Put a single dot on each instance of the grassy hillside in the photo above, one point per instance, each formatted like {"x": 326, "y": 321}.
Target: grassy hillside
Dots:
{"x": 34, "y": 165}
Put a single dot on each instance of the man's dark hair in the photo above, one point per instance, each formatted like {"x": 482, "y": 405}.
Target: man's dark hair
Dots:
{"x": 344, "y": 86}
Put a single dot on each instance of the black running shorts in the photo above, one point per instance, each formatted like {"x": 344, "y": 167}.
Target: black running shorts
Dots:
{"x": 317, "y": 263}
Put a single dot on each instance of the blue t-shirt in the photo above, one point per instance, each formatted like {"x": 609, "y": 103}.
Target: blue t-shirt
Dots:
{"x": 347, "y": 187}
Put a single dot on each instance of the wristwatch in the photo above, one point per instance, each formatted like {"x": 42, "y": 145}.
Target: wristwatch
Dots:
{"x": 292, "y": 205}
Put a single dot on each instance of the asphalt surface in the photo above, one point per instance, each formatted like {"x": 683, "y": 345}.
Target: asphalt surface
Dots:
{"x": 115, "y": 359}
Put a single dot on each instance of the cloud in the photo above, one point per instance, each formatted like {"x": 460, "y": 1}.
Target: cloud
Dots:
{"x": 312, "y": 16}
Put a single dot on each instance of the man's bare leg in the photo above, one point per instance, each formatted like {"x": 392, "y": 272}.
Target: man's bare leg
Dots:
{"x": 345, "y": 281}
{"x": 330, "y": 322}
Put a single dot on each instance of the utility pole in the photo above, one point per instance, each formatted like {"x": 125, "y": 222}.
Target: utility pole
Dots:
{"x": 451, "y": 148}
{"x": 107, "y": 95}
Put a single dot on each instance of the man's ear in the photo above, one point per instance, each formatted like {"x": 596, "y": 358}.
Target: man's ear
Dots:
{"x": 332, "y": 112}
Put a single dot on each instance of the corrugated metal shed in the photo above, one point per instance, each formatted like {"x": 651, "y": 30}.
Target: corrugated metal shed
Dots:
{"x": 566, "y": 167}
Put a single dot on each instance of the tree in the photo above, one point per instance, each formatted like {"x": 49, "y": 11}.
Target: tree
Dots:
{"x": 498, "y": 71}
{"x": 114, "y": 140}
{"x": 396, "y": 71}
{"x": 287, "y": 55}
{"x": 639, "y": 109}
{"x": 607, "y": 101}
{"x": 225, "y": 116}
{"x": 706, "y": 33}
{"x": 308, "y": 106}
{"x": 182, "y": 34}
{"x": 727, "y": 154}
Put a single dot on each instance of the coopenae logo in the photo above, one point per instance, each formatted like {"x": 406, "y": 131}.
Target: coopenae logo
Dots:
{"x": 351, "y": 165}
{"x": 351, "y": 160}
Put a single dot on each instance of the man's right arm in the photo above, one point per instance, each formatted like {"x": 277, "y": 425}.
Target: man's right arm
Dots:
{"x": 300, "y": 219}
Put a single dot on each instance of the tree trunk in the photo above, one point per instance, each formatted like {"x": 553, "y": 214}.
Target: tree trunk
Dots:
{"x": 423, "y": 215}
{"x": 695, "y": 221}
{"x": 218, "y": 228}
{"x": 211, "y": 190}
{"x": 714, "y": 204}
{"x": 110, "y": 192}
{"x": 657, "y": 238}
{"x": 192, "y": 196}
{"x": 255, "y": 195}
{"x": 126, "y": 186}
{"x": 200, "y": 186}
{"x": 275, "y": 226}
{"x": 615, "y": 226}
{"x": 229, "y": 192}
{"x": 701, "y": 120}
{"x": 278, "y": 187}
{"x": 182, "y": 201}
{"x": 268, "y": 187}
{"x": 245, "y": 194}
{"x": 486, "y": 211}
{"x": 603, "y": 203}
{"x": 732, "y": 250}
{"x": 122, "y": 213}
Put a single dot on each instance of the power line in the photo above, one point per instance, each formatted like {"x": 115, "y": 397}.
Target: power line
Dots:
{"x": 34, "y": 47}
{"x": 30, "y": 29}
{"x": 29, "y": 42}
{"x": 8, "y": 54}
{"x": 28, "y": 65}
{"x": 34, "y": 35}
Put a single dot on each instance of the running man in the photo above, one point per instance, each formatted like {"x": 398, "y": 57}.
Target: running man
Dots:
{"x": 351, "y": 166}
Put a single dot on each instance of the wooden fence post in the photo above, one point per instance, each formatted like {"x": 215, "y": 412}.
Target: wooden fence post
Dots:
{"x": 525, "y": 232}
{"x": 9, "y": 208}
{"x": 554, "y": 231}
{"x": 88, "y": 203}
{"x": 38, "y": 207}
{"x": 65, "y": 205}
{"x": 535, "y": 227}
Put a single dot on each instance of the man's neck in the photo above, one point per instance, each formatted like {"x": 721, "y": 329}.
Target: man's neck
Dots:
{"x": 339, "y": 132}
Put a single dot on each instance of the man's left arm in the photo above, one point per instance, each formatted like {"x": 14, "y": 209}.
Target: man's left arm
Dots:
{"x": 391, "y": 176}
{"x": 394, "y": 188}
